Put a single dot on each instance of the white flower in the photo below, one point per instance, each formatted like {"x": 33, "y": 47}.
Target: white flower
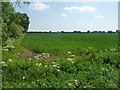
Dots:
{"x": 2, "y": 62}
{"x": 12, "y": 46}
{"x": 40, "y": 55}
{"x": 69, "y": 59}
{"x": 69, "y": 84}
{"x": 53, "y": 62}
{"x": 23, "y": 77}
{"x": 69, "y": 52}
{"x": 18, "y": 53}
{"x": 5, "y": 49}
{"x": 58, "y": 70}
{"x": 45, "y": 55}
{"x": 45, "y": 65}
{"x": 72, "y": 55}
{"x": 30, "y": 58}
{"x": 76, "y": 80}
{"x": 54, "y": 65}
{"x": 35, "y": 56}
{"x": 39, "y": 64}
{"x": 10, "y": 60}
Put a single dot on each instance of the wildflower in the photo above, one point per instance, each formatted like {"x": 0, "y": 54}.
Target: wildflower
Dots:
{"x": 5, "y": 65}
{"x": 40, "y": 55}
{"x": 35, "y": 56}
{"x": 5, "y": 49}
{"x": 72, "y": 55}
{"x": 45, "y": 55}
{"x": 69, "y": 52}
{"x": 12, "y": 47}
{"x": 39, "y": 64}
{"x": 18, "y": 53}
{"x": 54, "y": 65}
{"x": 10, "y": 60}
{"x": 53, "y": 62}
{"x": 23, "y": 77}
{"x": 69, "y": 59}
{"x": 76, "y": 82}
{"x": 69, "y": 84}
{"x": 58, "y": 70}
{"x": 30, "y": 58}
{"x": 3, "y": 62}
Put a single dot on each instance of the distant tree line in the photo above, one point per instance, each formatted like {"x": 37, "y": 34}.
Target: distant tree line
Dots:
{"x": 117, "y": 31}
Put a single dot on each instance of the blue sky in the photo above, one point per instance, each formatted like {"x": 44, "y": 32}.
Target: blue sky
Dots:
{"x": 71, "y": 16}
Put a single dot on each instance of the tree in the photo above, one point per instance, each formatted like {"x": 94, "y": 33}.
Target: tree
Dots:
{"x": 12, "y": 22}
{"x": 22, "y": 19}
{"x": 88, "y": 31}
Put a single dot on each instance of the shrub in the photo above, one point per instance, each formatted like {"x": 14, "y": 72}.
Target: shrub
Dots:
{"x": 4, "y": 33}
{"x": 14, "y": 30}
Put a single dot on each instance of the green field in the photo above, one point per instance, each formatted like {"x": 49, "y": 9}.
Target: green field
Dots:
{"x": 60, "y": 60}
{"x": 69, "y": 42}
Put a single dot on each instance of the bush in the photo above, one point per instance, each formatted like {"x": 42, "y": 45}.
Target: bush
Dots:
{"x": 14, "y": 30}
{"x": 4, "y": 33}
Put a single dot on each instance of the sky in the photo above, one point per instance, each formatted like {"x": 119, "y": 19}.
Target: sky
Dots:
{"x": 71, "y": 16}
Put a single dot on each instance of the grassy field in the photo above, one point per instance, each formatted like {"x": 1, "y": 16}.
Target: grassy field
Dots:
{"x": 61, "y": 61}
{"x": 73, "y": 42}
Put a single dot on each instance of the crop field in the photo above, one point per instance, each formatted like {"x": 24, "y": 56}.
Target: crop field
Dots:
{"x": 73, "y": 42}
{"x": 62, "y": 60}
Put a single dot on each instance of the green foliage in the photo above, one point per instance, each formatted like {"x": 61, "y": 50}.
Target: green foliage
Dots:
{"x": 7, "y": 12}
{"x": 12, "y": 22}
{"x": 22, "y": 19}
{"x": 86, "y": 68}
{"x": 14, "y": 30}
{"x": 4, "y": 32}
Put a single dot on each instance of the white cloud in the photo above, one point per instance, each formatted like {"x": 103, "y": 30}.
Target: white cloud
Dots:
{"x": 63, "y": 15}
{"x": 39, "y": 6}
{"x": 99, "y": 17}
{"x": 81, "y": 9}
